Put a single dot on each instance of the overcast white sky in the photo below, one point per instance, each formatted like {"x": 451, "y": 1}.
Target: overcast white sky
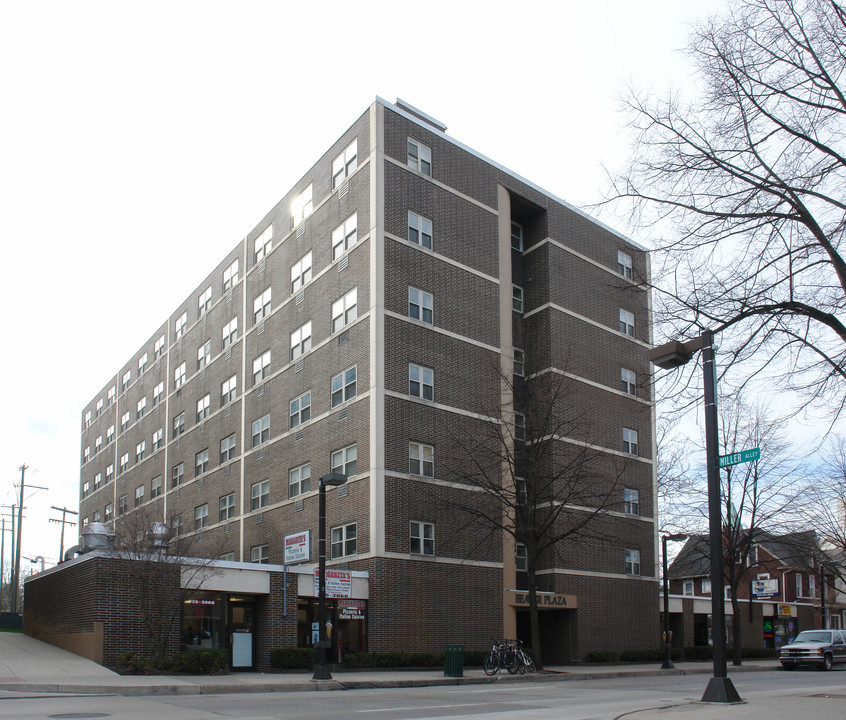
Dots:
{"x": 139, "y": 142}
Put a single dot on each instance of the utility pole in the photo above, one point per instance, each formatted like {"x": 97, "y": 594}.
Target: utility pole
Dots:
{"x": 64, "y": 522}
{"x": 17, "y": 573}
{"x": 12, "y": 552}
{"x": 3, "y": 532}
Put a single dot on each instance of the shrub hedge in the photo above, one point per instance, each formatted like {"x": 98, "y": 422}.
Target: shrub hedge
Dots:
{"x": 691, "y": 654}
{"x": 302, "y": 658}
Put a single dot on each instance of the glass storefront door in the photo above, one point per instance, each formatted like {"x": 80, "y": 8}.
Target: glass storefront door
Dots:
{"x": 242, "y": 616}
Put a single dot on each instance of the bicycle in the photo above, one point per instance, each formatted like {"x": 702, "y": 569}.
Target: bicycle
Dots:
{"x": 500, "y": 656}
{"x": 524, "y": 659}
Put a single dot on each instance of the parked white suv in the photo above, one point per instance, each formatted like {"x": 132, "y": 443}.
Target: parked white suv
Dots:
{"x": 822, "y": 648}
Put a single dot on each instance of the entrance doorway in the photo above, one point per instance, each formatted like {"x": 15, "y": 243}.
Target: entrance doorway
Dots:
{"x": 242, "y": 616}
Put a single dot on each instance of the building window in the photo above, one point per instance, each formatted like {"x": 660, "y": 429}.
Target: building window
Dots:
{"x": 752, "y": 556}
{"x": 176, "y": 524}
{"x": 299, "y": 480}
{"x": 259, "y": 495}
{"x": 124, "y": 463}
{"x": 421, "y": 382}
{"x": 158, "y": 439}
{"x": 98, "y": 443}
{"x": 628, "y": 381}
{"x": 110, "y": 472}
{"x": 260, "y": 554}
{"x": 261, "y": 306}
{"x": 229, "y": 390}
{"x": 517, "y": 299}
{"x": 158, "y": 348}
{"x": 516, "y": 236}
{"x": 110, "y": 433}
{"x": 140, "y": 407}
{"x": 344, "y": 386}
{"x": 177, "y": 475}
{"x": 632, "y": 562}
{"x": 798, "y": 582}
{"x": 261, "y": 430}
{"x": 226, "y": 507}
{"x": 687, "y": 588}
{"x": 181, "y": 322}
{"x": 626, "y": 322}
{"x": 230, "y": 276}
{"x": 109, "y": 512}
{"x": 201, "y": 516}
{"x": 204, "y": 355}
{"x": 419, "y": 157}
{"x": 86, "y": 488}
{"x": 419, "y": 230}
{"x": 344, "y": 540}
{"x": 706, "y": 586}
{"x": 127, "y": 376}
{"x": 631, "y": 501}
{"x": 111, "y": 395}
{"x": 139, "y": 495}
{"x": 261, "y": 367}
{"x": 422, "y": 538}
{"x": 344, "y": 461}
{"x": 122, "y": 505}
{"x": 226, "y": 556}
{"x": 229, "y": 334}
{"x": 301, "y": 207}
{"x": 99, "y": 409}
{"x": 124, "y": 421}
{"x": 521, "y": 557}
{"x": 519, "y": 362}
{"x": 201, "y": 462}
{"x": 420, "y": 304}
{"x": 624, "y": 264}
{"x": 345, "y": 163}
{"x": 156, "y": 487}
{"x": 179, "y": 424}
{"x": 519, "y": 426}
{"x": 158, "y": 393}
{"x": 179, "y": 376}
{"x": 630, "y": 441}
{"x": 86, "y": 422}
{"x": 345, "y": 236}
{"x": 345, "y": 310}
{"x": 421, "y": 459}
{"x": 812, "y": 585}
{"x": 264, "y": 243}
{"x": 203, "y": 407}
{"x": 301, "y": 409}
{"x": 204, "y": 301}
{"x": 301, "y": 272}
{"x": 727, "y": 592}
{"x": 96, "y": 516}
{"x": 227, "y": 448}
{"x": 142, "y": 364}
{"x": 301, "y": 340}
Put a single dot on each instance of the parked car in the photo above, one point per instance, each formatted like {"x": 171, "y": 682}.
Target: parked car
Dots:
{"x": 822, "y": 648}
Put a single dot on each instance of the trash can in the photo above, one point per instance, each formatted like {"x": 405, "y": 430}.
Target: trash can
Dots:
{"x": 454, "y": 661}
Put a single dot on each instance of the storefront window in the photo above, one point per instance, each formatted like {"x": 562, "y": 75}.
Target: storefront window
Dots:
{"x": 348, "y": 618}
{"x": 203, "y": 620}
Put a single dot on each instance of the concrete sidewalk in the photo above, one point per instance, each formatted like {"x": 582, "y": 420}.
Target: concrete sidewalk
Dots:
{"x": 28, "y": 665}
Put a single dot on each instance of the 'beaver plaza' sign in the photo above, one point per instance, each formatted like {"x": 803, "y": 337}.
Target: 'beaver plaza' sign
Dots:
{"x": 546, "y": 600}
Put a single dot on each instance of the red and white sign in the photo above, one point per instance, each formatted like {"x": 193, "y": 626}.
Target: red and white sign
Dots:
{"x": 351, "y": 609}
{"x": 338, "y": 583}
{"x": 297, "y": 548}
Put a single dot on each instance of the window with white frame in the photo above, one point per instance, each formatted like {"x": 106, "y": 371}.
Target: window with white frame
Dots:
{"x": 261, "y": 306}
{"x": 179, "y": 376}
{"x": 345, "y": 310}
{"x": 421, "y": 382}
{"x": 519, "y": 426}
{"x": 687, "y": 588}
{"x": 261, "y": 430}
{"x": 204, "y": 301}
{"x": 301, "y": 272}
{"x": 345, "y": 163}
{"x": 631, "y": 501}
{"x": 111, "y": 395}
{"x": 86, "y": 422}
{"x": 727, "y": 592}
{"x": 799, "y": 589}
{"x": 124, "y": 463}
{"x": 227, "y": 448}
{"x": 99, "y": 408}
{"x": 628, "y": 381}
{"x": 812, "y": 585}
{"x": 260, "y": 554}
{"x": 519, "y": 362}
{"x": 86, "y": 455}
{"x": 110, "y": 433}
{"x": 96, "y": 516}
{"x": 178, "y": 424}
{"x": 706, "y": 586}
{"x": 345, "y": 236}
{"x": 110, "y": 471}
{"x": 301, "y": 340}
{"x": 201, "y": 462}
{"x": 176, "y": 524}
{"x": 201, "y": 516}
{"x": 419, "y": 230}
{"x": 630, "y": 441}
{"x": 230, "y": 276}
{"x": 86, "y": 488}
{"x": 156, "y": 487}
{"x": 140, "y": 407}
{"x": 627, "y": 321}
{"x": 260, "y": 495}
{"x": 158, "y": 349}
{"x": 517, "y": 299}
{"x": 301, "y": 207}
{"x": 98, "y": 443}
{"x": 158, "y": 393}
{"x": 624, "y": 264}
{"x": 158, "y": 439}
{"x": 299, "y": 480}
{"x": 177, "y": 475}
{"x": 344, "y": 461}
{"x": 752, "y": 556}
{"x": 344, "y": 540}
{"x": 344, "y": 386}
{"x": 127, "y": 377}
{"x": 300, "y": 408}
{"x": 181, "y": 322}
{"x": 226, "y": 507}
{"x": 261, "y": 367}
{"x": 521, "y": 556}
{"x": 142, "y": 364}
{"x": 632, "y": 562}
{"x": 421, "y": 459}
{"x": 419, "y": 157}
{"x": 420, "y": 305}
{"x": 229, "y": 390}
{"x": 516, "y": 236}
{"x": 421, "y": 538}
{"x": 139, "y": 496}
{"x": 109, "y": 512}
{"x": 204, "y": 355}
{"x": 124, "y": 421}
{"x": 229, "y": 334}
{"x": 203, "y": 407}
{"x": 264, "y": 243}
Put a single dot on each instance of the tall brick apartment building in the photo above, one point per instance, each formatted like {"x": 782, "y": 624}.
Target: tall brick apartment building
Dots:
{"x": 375, "y": 309}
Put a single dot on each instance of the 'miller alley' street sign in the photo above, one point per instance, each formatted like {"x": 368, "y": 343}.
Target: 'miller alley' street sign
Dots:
{"x": 744, "y": 456}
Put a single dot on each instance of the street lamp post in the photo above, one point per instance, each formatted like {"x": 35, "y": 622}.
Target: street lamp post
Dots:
{"x": 321, "y": 669}
{"x": 668, "y": 663}
{"x": 672, "y": 355}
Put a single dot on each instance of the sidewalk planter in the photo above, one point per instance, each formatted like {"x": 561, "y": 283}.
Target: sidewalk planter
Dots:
{"x": 454, "y": 661}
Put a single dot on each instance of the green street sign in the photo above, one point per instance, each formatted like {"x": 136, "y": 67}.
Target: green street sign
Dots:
{"x": 744, "y": 456}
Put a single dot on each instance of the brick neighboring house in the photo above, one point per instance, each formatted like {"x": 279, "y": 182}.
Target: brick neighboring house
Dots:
{"x": 779, "y": 591}
{"x": 367, "y": 320}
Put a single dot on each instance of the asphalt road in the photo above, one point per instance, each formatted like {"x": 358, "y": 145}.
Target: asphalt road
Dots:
{"x": 577, "y": 700}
